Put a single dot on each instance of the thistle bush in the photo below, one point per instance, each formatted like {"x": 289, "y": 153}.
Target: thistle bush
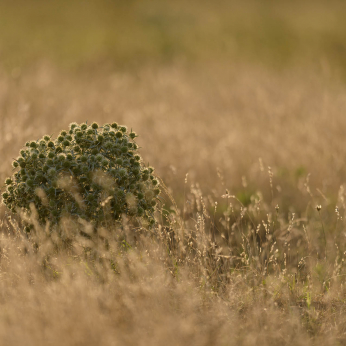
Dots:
{"x": 90, "y": 172}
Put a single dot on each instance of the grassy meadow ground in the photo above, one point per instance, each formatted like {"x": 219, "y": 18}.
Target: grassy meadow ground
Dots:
{"x": 249, "y": 99}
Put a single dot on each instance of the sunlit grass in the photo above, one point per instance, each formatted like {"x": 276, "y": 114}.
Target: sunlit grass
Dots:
{"x": 241, "y": 108}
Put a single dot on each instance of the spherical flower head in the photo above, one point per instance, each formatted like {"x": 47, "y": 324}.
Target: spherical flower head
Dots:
{"x": 84, "y": 158}
{"x": 118, "y": 134}
{"x": 123, "y": 129}
{"x": 58, "y": 150}
{"x": 66, "y": 143}
{"x": 61, "y": 138}
{"x": 33, "y": 144}
{"x": 119, "y": 161}
{"x": 51, "y": 172}
{"x": 69, "y": 157}
{"x": 122, "y": 172}
{"x": 22, "y": 164}
{"x": 34, "y": 156}
{"x": 104, "y": 162}
{"x": 46, "y": 138}
{"x": 79, "y": 134}
{"x": 108, "y": 145}
{"x": 8, "y": 181}
{"x": 66, "y": 164}
{"x": 55, "y": 212}
{"x": 51, "y": 155}
{"x": 155, "y": 182}
{"x": 83, "y": 126}
{"x": 94, "y": 151}
{"x": 15, "y": 164}
{"x": 157, "y": 191}
{"x": 133, "y": 135}
{"x": 30, "y": 183}
{"x": 100, "y": 138}
{"x": 135, "y": 146}
{"x": 69, "y": 137}
{"x": 124, "y": 150}
{"x": 63, "y": 133}
{"x": 149, "y": 194}
{"x": 73, "y": 126}
{"x": 120, "y": 193}
{"x": 51, "y": 144}
{"x": 5, "y": 195}
{"x": 42, "y": 143}
{"x": 99, "y": 157}
{"x": 94, "y": 126}
{"x": 42, "y": 156}
{"x": 61, "y": 157}
{"x": 76, "y": 170}
{"x": 114, "y": 125}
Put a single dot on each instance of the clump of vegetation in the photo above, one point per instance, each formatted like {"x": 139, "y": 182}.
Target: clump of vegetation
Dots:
{"x": 88, "y": 171}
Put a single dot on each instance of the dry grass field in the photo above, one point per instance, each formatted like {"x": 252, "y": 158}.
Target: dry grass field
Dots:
{"x": 241, "y": 109}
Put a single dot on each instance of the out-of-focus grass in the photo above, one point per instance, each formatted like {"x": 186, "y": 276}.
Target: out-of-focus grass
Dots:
{"x": 127, "y": 33}
{"x": 239, "y": 95}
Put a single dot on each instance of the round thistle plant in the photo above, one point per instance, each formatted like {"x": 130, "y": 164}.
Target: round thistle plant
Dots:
{"x": 89, "y": 171}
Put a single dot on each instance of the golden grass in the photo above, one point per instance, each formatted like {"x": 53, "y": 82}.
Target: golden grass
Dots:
{"x": 219, "y": 269}
{"x": 241, "y": 110}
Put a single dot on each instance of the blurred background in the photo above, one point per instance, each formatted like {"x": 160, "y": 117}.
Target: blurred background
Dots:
{"x": 124, "y": 34}
{"x": 219, "y": 89}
